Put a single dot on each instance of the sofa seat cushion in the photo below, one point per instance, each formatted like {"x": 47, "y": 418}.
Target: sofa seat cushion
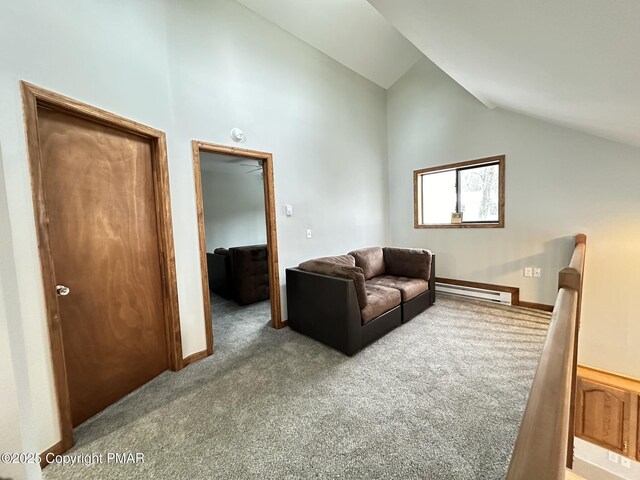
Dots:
{"x": 370, "y": 260}
{"x": 380, "y": 300}
{"x": 409, "y": 287}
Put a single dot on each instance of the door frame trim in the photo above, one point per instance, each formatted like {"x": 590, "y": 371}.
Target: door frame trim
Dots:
{"x": 32, "y": 98}
{"x": 272, "y": 234}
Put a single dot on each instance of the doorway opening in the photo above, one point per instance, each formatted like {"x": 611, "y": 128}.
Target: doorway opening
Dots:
{"x": 237, "y": 230}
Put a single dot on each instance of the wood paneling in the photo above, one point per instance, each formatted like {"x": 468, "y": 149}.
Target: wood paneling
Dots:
{"x": 453, "y": 166}
{"x": 602, "y": 415}
{"x": 603, "y": 377}
{"x": 627, "y": 384}
{"x": 34, "y": 99}
{"x": 270, "y": 218}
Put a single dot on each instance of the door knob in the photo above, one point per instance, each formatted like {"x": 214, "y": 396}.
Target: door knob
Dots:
{"x": 62, "y": 290}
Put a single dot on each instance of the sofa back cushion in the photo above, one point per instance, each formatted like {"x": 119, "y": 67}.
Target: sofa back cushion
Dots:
{"x": 334, "y": 269}
{"x": 370, "y": 260}
{"x": 407, "y": 262}
{"x": 346, "y": 260}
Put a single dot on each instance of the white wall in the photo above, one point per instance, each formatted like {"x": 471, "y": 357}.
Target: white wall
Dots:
{"x": 16, "y": 420}
{"x": 233, "y": 202}
{"x": 10, "y": 427}
{"x": 194, "y": 69}
{"x": 108, "y": 54}
{"x": 12, "y": 416}
{"x": 325, "y": 126}
{"x": 592, "y": 463}
{"x": 558, "y": 183}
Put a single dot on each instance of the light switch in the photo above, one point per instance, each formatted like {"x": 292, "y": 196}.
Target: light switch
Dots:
{"x": 289, "y": 209}
{"x": 308, "y": 233}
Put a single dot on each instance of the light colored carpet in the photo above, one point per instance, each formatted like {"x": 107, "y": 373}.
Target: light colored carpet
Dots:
{"x": 438, "y": 398}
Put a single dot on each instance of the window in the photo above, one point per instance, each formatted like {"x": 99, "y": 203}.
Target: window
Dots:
{"x": 474, "y": 189}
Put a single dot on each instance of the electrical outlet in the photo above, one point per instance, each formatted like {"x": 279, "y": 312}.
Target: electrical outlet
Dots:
{"x": 308, "y": 233}
{"x": 625, "y": 462}
{"x": 614, "y": 457}
{"x": 528, "y": 272}
{"x": 537, "y": 272}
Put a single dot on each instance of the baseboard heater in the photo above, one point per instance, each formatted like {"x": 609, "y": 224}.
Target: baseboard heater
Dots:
{"x": 493, "y": 296}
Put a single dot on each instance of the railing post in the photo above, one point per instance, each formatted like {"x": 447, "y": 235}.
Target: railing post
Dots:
{"x": 572, "y": 278}
{"x": 569, "y": 278}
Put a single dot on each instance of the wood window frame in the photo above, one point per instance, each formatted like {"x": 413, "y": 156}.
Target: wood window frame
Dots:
{"x": 417, "y": 192}
{"x": 32, "y": 98}
{"x": 266, "y": 158}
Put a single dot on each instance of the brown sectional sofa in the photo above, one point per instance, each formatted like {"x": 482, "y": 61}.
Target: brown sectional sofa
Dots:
{"x": 348, "y": 301}
{"x": 240, "y": 274}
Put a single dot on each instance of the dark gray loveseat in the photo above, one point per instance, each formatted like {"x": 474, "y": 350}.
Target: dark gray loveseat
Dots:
{"x": 348, "y": 301}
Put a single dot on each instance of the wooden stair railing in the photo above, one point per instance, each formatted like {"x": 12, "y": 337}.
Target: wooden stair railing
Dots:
{"x": 544, "y": 447}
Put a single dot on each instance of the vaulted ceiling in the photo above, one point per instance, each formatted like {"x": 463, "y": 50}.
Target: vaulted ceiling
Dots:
{"x": 571, "y": 62}
{"x": 349, "y": 31}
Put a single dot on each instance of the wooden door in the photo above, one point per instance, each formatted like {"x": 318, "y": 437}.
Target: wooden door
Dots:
{"x": 100, "y": 202}
{"x": 602, "y": 415}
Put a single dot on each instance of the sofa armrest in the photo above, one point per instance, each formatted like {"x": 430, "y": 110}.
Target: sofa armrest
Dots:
{"x": 349, "y": 272}
{"x": 407, "y": 262}
{"x": 219, "y": 273}
{"x": 325, "y": 308}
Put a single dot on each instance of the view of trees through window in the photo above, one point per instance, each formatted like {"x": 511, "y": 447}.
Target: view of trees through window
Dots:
{"x": 472, "y": 189}
{"x": 479, "y": 194}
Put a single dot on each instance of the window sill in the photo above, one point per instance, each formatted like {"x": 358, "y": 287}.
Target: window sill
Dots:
{"x": 462, "y": 225}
